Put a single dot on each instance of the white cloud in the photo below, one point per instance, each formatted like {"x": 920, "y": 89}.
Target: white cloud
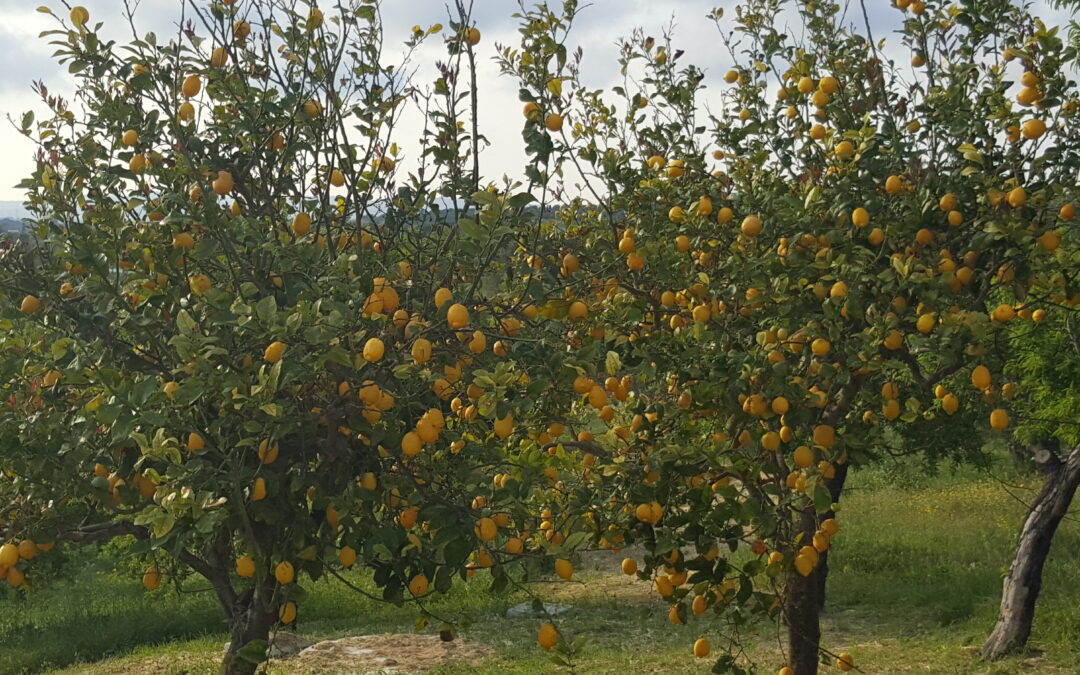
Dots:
{"x": 26, "y": 57}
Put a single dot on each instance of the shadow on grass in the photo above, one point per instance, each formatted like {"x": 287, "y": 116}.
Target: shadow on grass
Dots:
{"x": 60, "y": 628}
{"x": 915, "y": 578}
{"x": 97, "y": 616}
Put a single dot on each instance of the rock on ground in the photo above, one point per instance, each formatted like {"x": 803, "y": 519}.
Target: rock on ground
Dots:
{"x": 283, "y": 645}
{"x": 526, "y": 611}
{"x": 388, "y": 653}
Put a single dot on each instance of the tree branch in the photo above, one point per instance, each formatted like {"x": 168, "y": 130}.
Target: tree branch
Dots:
{"x": 583, "y": 445}
{"x": 218, "y": 577}
{"x": 106, "y": 531}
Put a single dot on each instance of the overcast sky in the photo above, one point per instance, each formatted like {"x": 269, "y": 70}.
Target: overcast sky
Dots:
{"x": 25, "y": 57}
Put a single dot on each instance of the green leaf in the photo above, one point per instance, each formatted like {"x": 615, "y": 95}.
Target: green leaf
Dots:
{"x": 266, "y": 308}
{"x": 521, "y": 199}
{"x": 275, "y": 376}
{"x": 612, "y": 363}
{"x": 188, "y": 392}
{"x": 822, "y": 498}
{"x": 60, "y": 347}
{"x": 456, "y": 552}
{"x": 185, "y": 324}
{"x": 253, "y": 652}
{"x": 973, "y": 156}
{"x": 163, "y": 525}
{"x": 575, "y": 540}
{"x": 142, "y": 391}
{"x": 470, "y": 229}
{"x": 293, "y": 322}
{"x": 271, "y": 409}
{"x": 107, "y": 414}
{"x": 339, "y": 356}
{"x": 498, "y": 581}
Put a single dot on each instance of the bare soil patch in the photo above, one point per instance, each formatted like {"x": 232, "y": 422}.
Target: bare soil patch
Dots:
{"x": 387, "y": 653}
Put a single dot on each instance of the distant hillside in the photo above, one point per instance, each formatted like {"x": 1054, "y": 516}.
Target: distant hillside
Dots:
{"x": 11, "y": 215}
{"x": 12, "y": 210}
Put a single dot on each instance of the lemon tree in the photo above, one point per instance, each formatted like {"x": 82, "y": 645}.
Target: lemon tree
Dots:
{"x": 771, "y": 291}
{"x": 1044, "y": 362}
{"x": 241, "y": 333}
{"x": 245, "y": 335}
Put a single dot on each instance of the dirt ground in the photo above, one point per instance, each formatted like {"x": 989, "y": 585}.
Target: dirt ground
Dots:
{"x": 387, "y": 653}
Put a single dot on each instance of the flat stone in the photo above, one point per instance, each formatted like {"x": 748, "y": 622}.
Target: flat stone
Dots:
{"x": 387, "y": 653}
{"x": 526, "y": 611}
{"x": 283, "y": 645}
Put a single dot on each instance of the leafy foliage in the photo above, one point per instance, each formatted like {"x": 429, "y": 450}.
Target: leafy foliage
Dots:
{"x": 247, "y": 336}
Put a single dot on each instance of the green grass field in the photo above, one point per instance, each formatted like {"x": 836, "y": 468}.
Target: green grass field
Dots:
{"x": 915, "y": 579}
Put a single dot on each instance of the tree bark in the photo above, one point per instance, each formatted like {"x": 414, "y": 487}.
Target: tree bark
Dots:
{"x": 836, "y": 487}
{"x": 805, "y": 596}
{"x": 251, "y": 614}
{"x": 250, "y": 618}
{"x": 1021, "y": 588}
{"x": 802, "y": 607}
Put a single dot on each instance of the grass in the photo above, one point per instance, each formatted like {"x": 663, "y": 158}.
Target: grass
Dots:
{"x": 916, "y": 573}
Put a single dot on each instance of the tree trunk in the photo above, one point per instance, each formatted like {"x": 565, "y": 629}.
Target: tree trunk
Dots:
{"x": 1024, "y": 581}
{"x": 252, "y": 617}
{"x": 802, "y": 608}
{"x": 836, "y": 487}
{"x": 250, "y": 614}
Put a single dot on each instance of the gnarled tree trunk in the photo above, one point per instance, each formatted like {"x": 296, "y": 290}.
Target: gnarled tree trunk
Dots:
{"x": 250, "y": 614}
{"x": 253, "y": 615}
{"x": 836, "y": 487}
{"x": 802, "y": 608}
{"x": 1024, "y": 581}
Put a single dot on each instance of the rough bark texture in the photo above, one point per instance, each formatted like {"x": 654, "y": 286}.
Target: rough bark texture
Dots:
{"x": 251, "y": 618}
{"x": 805, "y": 595}
{"x": 1024, "y": 581}
{"x": 836, "y": 488}
{"x": 802, "y": 608}
{"x": 251, "y": 614}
